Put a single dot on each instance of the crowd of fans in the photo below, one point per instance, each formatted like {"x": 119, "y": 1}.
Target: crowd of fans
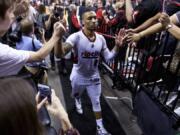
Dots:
{"x": 30, "y": 30}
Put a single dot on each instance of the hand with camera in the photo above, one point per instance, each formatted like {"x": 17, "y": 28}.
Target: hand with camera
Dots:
{"x": 39, "y": 102}
{"x": 46, "y": 96}
{"x": 54, "y": 17}
{"x": 57, "y": 110}
{"x": 43, "y": 95}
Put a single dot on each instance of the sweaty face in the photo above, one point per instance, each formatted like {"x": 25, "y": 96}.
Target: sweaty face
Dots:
{"x": 6, "y": 22}
{"x": 90, "y": 20}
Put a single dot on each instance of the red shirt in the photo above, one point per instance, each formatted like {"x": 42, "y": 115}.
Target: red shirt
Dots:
{"x": 102, "y": 26}
{"x": 75, "y": 21}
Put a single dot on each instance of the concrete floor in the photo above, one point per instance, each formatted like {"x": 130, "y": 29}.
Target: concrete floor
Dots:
{"x": 121, "y": 107}
{"x": 121, "y": 104}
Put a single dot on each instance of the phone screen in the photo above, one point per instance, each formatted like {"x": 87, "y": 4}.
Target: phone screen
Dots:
{"x": 45, "y": 91}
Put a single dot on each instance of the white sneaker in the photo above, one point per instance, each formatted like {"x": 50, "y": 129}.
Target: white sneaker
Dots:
{"x": 101, "y": 130}
{"x": 171, "y": 100}
{"x": 78, "y": 106}
{"x": 177, "y": 111}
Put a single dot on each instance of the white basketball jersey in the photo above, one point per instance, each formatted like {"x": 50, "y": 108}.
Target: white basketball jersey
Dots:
{"x": 88, "y": 54}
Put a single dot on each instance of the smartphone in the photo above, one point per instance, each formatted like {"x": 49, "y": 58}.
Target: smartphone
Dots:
{"x": 45, "y": 91}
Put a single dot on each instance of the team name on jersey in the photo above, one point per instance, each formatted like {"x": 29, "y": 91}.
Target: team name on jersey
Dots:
{"x": 90, "y": 55}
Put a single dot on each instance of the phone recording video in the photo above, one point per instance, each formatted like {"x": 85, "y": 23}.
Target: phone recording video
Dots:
{"x": 45, "y": 91}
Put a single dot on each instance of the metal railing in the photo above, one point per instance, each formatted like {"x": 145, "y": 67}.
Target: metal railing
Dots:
{"x": 150, "y": 67}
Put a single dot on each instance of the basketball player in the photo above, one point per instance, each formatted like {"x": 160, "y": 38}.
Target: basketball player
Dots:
{"x": 88, "y": 46}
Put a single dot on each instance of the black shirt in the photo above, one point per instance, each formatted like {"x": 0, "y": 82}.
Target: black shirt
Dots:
{"x": 145, "y": 10}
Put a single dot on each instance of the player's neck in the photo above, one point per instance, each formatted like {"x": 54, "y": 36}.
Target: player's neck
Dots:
{"x": 89, "y": 33}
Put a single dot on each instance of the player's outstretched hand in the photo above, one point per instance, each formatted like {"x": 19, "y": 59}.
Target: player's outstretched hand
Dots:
{"x": 120, "y": 39}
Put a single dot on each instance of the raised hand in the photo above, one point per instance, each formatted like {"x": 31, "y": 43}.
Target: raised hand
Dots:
{"x": 120, "y": 38}
{"x": 164, "y": 19}
{"x": 59, "y": 29}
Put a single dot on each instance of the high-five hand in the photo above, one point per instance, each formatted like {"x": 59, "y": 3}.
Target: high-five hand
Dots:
{"x": 120, "y": 38}
{"x": 164, "y": 20}
{"x": 59, "y": 29}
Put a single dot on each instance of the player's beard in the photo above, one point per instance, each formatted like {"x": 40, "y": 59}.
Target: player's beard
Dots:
{"x": 92, "y": 27}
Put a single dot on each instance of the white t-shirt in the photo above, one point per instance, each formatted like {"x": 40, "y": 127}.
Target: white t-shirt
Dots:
{"x": 32, "y": 13}
{"x": 88, "y": 54}
{"x": 11, "y": 60}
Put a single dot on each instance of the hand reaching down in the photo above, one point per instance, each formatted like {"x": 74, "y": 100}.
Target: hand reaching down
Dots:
{"x": 133, "y": 37}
